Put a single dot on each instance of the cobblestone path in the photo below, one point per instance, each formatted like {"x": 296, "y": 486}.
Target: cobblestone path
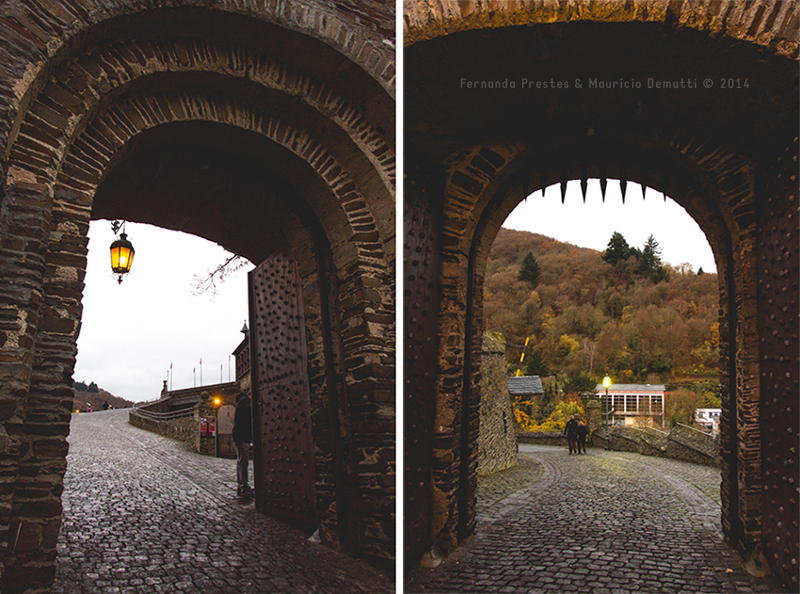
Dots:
{"x": 605, "y": 522}
{"x": 142, "y": 513}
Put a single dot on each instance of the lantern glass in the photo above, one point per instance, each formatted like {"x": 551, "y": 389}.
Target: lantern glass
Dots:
{"x": 606, "y": 382}
{"x": 121, "y": 255}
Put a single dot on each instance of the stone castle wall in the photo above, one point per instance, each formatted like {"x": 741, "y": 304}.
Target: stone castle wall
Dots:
{"x": 497, "y": 440}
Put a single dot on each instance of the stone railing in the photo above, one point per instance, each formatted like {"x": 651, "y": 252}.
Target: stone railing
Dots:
{"x": 541, "y": 438}
{"x": 184, "y": 428}
{"x": 178, "y": 414}
{"x": 681, "y": 443}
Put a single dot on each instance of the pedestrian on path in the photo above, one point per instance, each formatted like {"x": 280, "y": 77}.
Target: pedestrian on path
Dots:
{"x": 571, "y": 431}
{"x": 242, "y": 436}
{"x": 581, "y": 436}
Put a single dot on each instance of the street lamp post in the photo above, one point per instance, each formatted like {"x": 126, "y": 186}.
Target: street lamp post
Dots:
{"x": 607, "y": 383}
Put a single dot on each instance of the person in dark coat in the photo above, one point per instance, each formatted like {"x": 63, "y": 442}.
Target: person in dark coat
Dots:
{"x": 571, "y": 431}
{"x": 581, "y": 436}
{"x": 242, "y": 436}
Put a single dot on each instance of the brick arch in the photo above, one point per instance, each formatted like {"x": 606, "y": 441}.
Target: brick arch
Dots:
{"x": 82, "y": 81}
{"x": 473, "y": 154}
{"x": 82, "y": 85}
{"x": 60, "y": 114}
{"x": 770, "y": 24}
{"x": 86, "y": 162}
{"x": 482, "y": 186}
{"x": 52, "y": 33}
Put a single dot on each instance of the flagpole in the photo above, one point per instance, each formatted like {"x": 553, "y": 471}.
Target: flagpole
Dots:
{"x": 201, "y": 371}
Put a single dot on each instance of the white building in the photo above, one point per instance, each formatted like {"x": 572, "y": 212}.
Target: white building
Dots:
{"x": 631, "y": 404}
{"x": 708, "y": 418}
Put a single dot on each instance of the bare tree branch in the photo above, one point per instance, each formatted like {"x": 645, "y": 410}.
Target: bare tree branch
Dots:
{"x": 208, "y": 283}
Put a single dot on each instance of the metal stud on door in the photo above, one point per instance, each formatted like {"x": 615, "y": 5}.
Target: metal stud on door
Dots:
{"x": 282, "y": 437}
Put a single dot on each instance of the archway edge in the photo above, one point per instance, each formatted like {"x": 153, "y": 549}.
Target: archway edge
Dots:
{"x": 84, "y": 165}
{"x": 766, "y": 23}
{"x": 105, "y": 76}
{"x": 485, "y": 177}
{"x": 67, "y": 28}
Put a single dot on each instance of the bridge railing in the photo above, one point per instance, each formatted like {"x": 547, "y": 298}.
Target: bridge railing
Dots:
{"x": 166, "y": 416}
{"x": 698, "y": 430}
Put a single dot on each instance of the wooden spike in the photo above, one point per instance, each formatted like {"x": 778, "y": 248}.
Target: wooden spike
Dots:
{"x": 543, "y": 178}
{"x": 525, "y": 182}
{"x": 666, "y": 180}
{"x": 603, "y": 182}
{"x": 623, "y": 182}
{"x": 643, "y": 181}
{"x": 584, "y": 182}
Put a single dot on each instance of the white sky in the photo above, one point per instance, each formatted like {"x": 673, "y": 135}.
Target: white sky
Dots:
{"x": 591, "y": 225}
{"x": 132, "y": 332}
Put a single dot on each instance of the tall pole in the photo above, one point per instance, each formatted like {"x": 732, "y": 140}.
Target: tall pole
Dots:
{"x": 607, "y": 418}
{"x": 607, "y": 383}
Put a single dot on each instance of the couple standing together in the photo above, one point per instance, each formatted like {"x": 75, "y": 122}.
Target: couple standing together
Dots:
{"x": 576, "y": 435}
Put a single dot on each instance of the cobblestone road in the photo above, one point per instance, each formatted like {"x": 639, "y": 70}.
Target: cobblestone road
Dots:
{"x": 143, "y": 514}
{"x": 605, "y": 522}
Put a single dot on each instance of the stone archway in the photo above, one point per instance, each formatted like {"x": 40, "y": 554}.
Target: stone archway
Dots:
{"x": 200, "y": 120}
{"x": 477, "y": 145}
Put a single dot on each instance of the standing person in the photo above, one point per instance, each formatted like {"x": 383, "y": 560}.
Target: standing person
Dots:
{"x": 581, "y": 435}
{"x": 242, "y": 436}
{"x": 571, "y": 431}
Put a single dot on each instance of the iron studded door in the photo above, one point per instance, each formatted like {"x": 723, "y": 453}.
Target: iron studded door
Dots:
{"x": 282, "y": 437}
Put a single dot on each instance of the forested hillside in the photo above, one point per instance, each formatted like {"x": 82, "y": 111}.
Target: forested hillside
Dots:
{"x": 622, "y": 312}
{"x": 92, "y": 395}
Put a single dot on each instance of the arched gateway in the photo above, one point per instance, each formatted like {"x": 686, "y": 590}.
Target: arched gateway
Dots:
{"x": 265, "y": 127}
{"x": 504, "y": 98}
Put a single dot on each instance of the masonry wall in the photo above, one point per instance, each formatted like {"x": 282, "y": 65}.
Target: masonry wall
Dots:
{"x": 186, "y": 430}
{"x": 719, "y": 164}
{"x": 71, "y": 80}
{"x": 497, "y": 441}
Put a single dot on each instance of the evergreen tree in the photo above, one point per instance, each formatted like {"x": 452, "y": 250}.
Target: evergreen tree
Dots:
{"x": 583, "y": 386}
{"x": 650, "y": 264}
{"x": 535, "y": 365}
{"x": 617, "y": 249}
{"x": 529, "y": 271}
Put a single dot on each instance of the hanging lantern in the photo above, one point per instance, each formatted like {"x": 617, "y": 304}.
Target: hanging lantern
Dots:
{"x": 121, "y": 256}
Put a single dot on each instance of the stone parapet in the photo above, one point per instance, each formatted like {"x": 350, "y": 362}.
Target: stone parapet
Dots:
{"x": 185, "y": 430}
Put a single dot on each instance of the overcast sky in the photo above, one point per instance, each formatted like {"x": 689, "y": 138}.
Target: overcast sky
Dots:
{"x": 133, "y": 331}
{"x": 592, "y": 224}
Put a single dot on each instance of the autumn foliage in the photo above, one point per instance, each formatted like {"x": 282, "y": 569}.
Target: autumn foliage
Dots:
{"x": 588, "y": 317}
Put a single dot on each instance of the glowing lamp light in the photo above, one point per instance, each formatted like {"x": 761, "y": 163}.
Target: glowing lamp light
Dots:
{"x": 121, "y": 256}
{"x": 606, "y": 382}
{"x": 217, "y": 401}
